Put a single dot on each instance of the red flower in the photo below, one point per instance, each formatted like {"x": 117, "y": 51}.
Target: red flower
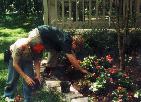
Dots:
{"x": 113, "y": 71}
{"x": 98, "y": 67}
{"x": 125, "y": 75}
{"x": 109, "y": 58}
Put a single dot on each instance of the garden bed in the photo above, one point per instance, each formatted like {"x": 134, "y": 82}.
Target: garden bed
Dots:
{"x": 106, "y": 83}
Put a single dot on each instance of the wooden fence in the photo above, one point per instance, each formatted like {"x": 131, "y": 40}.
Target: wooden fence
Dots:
{"x": 84, "y": 13}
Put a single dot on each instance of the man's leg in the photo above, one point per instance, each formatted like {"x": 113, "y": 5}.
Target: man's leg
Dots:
{"x": 11, "y": 85}
{"x": 51, "y": 62}
{"x": 52, "y": 58}
{"x": 27, "y": 90}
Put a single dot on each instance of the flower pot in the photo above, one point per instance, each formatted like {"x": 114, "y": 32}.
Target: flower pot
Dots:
{"x": 65, "y": 86}
{"x": 37, "y": 85}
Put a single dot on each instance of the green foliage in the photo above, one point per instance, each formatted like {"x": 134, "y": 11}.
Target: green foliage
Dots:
{"x": 15, "y": 20}
{"x": 133, "y": 41}
{"x": 48, "y": 95}
{"x": 138, "y": 94}
{"x": 101, "y": 41}
{"x": 3, "y": 74}
{"x": 24, "y": 7}
{"x": 88, "y": 62}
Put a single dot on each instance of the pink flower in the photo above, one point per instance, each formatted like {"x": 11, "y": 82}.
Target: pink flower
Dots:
{"x": 98, "y": 67}
{"x": 111, "y": 80}
{"x": 113, "y": 71}
{"x": 102, "y": 58}
{"x": 120, "y": 100}
{"x": 125, "y": 75}
{"x": 109, "y": 58}
{"x": 120, "y": 88}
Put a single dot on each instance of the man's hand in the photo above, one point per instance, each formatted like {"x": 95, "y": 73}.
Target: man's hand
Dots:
{"x": 76, "y": 63}
{"x": 29, "y": 81}
{"x": 84, "y": 71}
{"x": 38, "y": 78}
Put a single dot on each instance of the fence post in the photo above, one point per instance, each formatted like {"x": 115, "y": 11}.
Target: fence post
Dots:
{"x": 76, "y": 12}
{"x": 45, "y": 15}
{"x": 90, "y": 12}
{"x": 104, "y": 9}
{"x": 70, "y": 10}
{"x": 56, "y": 14}
{"x": 97, "y": 5}
{"x": 63, "y": 13}
{"x": 83, "y": 10}
{"x": 138, "y": 7}
{"x": 110, "y": 13}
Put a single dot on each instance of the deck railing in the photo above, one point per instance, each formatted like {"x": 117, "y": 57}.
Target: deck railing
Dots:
{"x": 81, "y": 13}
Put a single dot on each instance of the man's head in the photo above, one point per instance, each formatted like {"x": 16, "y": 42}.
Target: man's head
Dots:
{"x": 35, "y": 41}
{"x": 77, "y": 42}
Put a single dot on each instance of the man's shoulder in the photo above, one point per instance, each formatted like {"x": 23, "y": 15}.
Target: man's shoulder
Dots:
{"x": 48, "y": 28}
{"x": 43, "y": 27}
{"x": 19, "y": 43}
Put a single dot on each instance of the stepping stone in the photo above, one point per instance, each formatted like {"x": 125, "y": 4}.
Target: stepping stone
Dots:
{"x": 72, "y": 96}
{"x": 83, "y": 99}
{"x": 51, "y": 84}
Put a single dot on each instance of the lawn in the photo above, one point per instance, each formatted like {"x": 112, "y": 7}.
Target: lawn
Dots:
{"x": 7, "y": 37}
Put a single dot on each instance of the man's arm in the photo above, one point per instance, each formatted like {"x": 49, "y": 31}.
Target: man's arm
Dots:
{"x": 73, "y": 60}
{"x": 28, "y": 80}
{"x": 16, "y": 58}
{"x": 37, "y": 68}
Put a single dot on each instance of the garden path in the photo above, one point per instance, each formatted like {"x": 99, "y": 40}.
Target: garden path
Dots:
{"x": 53, "y": 83}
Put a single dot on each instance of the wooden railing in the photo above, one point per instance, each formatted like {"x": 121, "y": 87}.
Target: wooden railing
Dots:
{"x": 80, "y": 13}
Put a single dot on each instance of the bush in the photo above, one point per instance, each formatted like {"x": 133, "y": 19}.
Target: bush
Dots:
{"x": 101, "y": 42}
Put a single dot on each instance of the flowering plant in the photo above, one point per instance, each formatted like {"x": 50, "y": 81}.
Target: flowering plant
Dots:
{"x": 137, "y": 94}
{"x": 121, "y": 95}
{"x": 106, "y": 78}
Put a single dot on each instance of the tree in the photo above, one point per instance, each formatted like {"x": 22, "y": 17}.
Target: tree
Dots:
{"x": 122, "y": 18}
